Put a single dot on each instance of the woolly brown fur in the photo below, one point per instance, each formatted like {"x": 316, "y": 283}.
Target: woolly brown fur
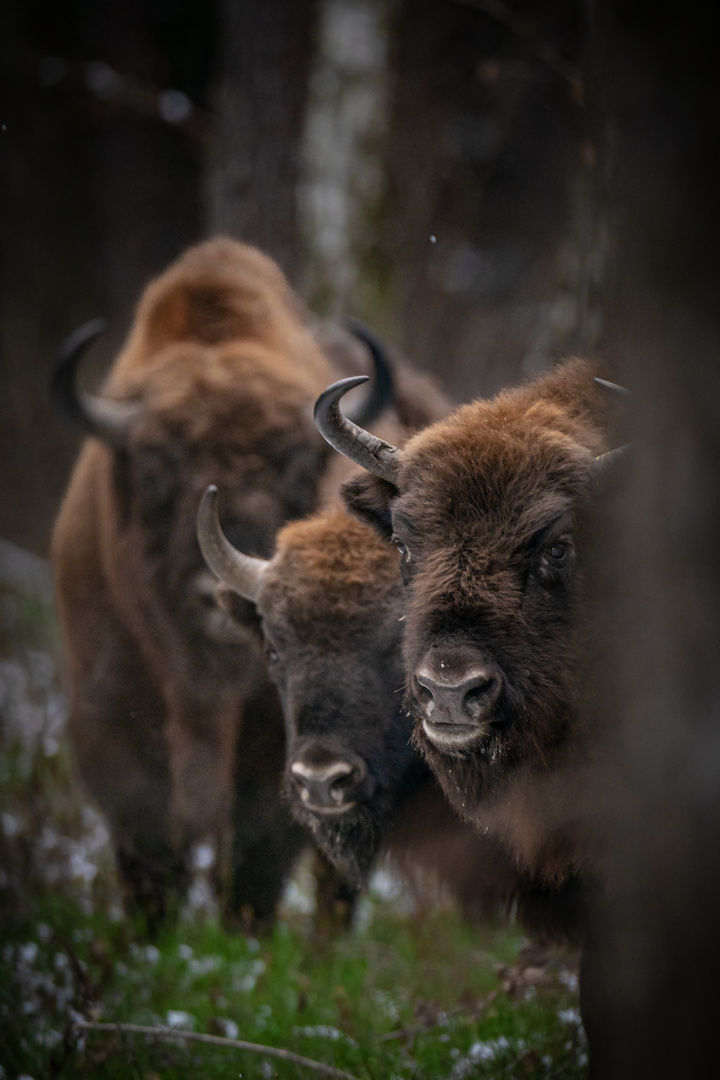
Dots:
{"x": 175, "y": 727}
{"x": 330, "y": 604}
{"x": 474, "y": 500}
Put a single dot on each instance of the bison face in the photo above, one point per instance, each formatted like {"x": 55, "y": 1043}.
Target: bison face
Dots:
{"x": 349, "y": 755}
{"x": 330, "y": 610}
{"x": 489, "y": 643}
{"x": 330, "y": 603}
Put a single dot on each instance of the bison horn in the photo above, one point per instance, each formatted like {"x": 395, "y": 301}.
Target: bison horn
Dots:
{"x": 354, "y": 442}
{"x": 241, "y": 573}
{"x": 104, "y": 418}
{"x": 605, "y": 462}
{"x": 382, "y": 391}
{"x": 613, "y": 388}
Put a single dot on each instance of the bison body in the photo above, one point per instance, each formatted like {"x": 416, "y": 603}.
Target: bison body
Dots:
{"x": 174, "y": 722}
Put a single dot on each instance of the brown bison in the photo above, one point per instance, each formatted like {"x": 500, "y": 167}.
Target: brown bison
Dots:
{"x": 330, "y": 603}
{"x": 174, "y": 723}
{"x": 488, "y": 509}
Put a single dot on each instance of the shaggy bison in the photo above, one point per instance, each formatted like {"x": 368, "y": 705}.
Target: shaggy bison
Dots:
{"x": 488, "y": 510}
{"x": 330, "y": 603}
{"x": 174, "y": 723}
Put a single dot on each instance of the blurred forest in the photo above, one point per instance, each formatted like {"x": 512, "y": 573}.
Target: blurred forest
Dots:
{"x": 490, "y": 184}
{"x": 426, "y": 165}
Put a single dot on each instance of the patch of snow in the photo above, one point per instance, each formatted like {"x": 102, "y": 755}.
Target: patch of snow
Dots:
{"x": 177, "y": 1018}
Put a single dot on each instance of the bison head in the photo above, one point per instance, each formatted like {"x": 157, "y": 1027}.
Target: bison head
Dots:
{"x": 330, "y": 602}
{"x": 486, "y": 511}
{"x": 231, "y": 413}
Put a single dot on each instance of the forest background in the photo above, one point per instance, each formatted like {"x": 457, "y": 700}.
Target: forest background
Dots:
{"x": 492, "y": 186}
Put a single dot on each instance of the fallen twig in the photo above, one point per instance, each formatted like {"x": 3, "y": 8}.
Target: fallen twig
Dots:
{"x": 217, "y": 1040}
{"x": 419, "y": 1029}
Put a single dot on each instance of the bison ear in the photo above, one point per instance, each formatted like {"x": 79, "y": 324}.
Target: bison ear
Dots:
{"x": 241, "y": 611}
{"x": 370, "y": 499}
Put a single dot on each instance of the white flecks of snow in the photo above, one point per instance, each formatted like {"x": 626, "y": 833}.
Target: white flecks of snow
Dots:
{"x": 228, "y": 1027}
{"x": 177, "y": 1018}
{"x": 324, "y": 1031}
{"x": 570, "y": 1016}
{"x": 486, "y": 1050}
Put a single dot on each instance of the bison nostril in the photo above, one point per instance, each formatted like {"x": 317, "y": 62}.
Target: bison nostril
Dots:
{"x": 328, "y": 785}
{"x": 481, "y": 696}
{"x": 424, "y": 696}
{"x": 340, "y": 784}
{"x": 466, "y": 699}
{"x": 338, "y": 790}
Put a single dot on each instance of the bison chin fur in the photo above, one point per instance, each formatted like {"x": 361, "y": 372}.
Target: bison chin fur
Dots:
{"x": 483, "y": 768}
{"x": 352, "y": 841}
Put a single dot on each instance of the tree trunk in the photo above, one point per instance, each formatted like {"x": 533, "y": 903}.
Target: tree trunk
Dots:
{"x": 660, "y": 563}
{"x": 484, "y": 154}
{"x": 266, "y": 49}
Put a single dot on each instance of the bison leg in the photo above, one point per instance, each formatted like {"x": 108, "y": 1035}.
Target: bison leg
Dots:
{"x": 265, "y": 846}
{"x": 115, "y": 728}
{"x": 336, "y": 898}
{"x": 201, "y": 738}
{"x": 266, "y": 841}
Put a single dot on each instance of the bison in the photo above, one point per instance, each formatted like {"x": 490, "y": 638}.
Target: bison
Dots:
{"x": 175, "y": 726}
{"x": 489, "y": 511}
{"x": 330, "y": 603}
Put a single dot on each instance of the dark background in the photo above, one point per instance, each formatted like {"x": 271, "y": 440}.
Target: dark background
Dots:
{"x": 563, "y": 156}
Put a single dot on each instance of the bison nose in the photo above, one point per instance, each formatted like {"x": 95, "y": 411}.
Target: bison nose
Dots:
{"x": 466, "y": 700}
{"x": 328, "y": 788}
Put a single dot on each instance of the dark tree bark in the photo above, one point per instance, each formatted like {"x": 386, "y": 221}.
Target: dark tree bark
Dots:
{"x": 659, "y": 556}
{"x": 260, "y": 98}
{"x": 484, "y": 154}
{"x": 96, "y": 195}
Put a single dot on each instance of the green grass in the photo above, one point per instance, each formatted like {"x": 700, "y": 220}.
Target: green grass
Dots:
{"x": 333, "y": 1003}
{"x": 432, "y": 983}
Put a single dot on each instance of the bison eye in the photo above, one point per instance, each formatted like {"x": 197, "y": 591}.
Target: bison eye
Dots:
{"x": 559, "y": 551}
{"x": 272, "y": 654}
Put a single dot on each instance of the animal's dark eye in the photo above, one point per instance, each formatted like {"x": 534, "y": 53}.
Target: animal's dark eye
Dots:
{"x": 272, "y": 654}
{"x": 559, "y": 551}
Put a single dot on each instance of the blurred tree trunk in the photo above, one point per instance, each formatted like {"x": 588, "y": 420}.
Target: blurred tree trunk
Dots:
{"x": 96, "y": 196}
{"x": 484, "y": 158}
{"x": 266, "y": 51}
{"x": 661, "y": 570}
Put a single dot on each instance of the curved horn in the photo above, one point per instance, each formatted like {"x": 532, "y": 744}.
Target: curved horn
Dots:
{"x": 354, "y": 442}
{"x": 613, "y": 388}
{"x": 242, "y": 573}
{"x": 104, "y": 418}
{"x": 382, "y": 391}
{"x": 604, "y": 464}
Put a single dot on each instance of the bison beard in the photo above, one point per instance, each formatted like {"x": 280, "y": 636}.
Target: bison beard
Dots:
{"x": 354, "y": 840}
